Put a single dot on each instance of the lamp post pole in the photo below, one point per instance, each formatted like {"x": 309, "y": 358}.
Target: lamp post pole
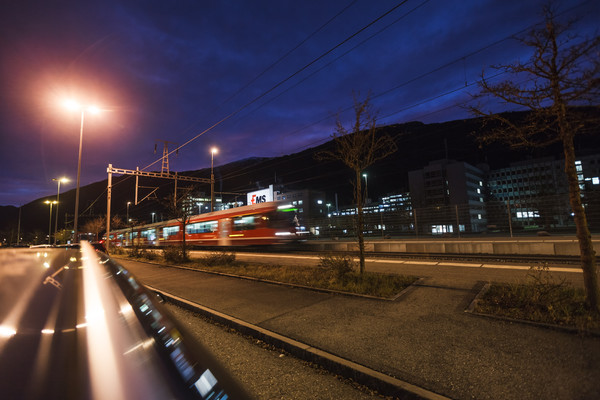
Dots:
{"x": 73, "y": 105}
{"x": 366, "y": 188}
{"x": 50, "y": 219}
{"x": 127, "y": 219}
{"x": 75, "y": 218}
{"x": 58, "y": 180}
{"x": 212, "y": 179}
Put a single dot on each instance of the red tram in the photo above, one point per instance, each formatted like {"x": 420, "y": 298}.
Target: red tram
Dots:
{"x": 258, "y": 224}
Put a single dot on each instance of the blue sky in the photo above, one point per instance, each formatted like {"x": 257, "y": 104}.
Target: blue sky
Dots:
{"x": 276, "y": 73}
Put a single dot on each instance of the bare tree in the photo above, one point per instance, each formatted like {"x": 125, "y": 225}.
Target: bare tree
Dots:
{"x": 181, "y": 208}
{"x": 117, "y": 222}
{"x": 561, "y": 77}
{"x": 63, "y": 235}
{"x": 358, "y": 148}
{"x": 95, "y": 226}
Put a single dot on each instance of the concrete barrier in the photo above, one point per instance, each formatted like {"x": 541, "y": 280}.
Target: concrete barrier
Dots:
{"x": 549, "y": 247}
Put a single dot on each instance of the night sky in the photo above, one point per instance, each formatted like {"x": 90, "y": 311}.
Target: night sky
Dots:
{"x": 253, "y": 78}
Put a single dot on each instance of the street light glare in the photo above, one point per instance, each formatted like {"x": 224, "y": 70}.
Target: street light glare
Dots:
{"x": 214, "y": 150}
{"x": 72, "y": 104}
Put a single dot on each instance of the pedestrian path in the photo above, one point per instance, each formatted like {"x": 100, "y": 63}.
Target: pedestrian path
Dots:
{"x": 424, "y": 340}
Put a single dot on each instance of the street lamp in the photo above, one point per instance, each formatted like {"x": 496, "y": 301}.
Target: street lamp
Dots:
{"x": 153, "y": 217}
{"x": 58, "y": 180}
{"x": 75, "y": 106}
{"x": 50, "y": 219}
{"x": 213, "y": 151}
{"x": 366, "y": 188}
{"x": 128, "y": 204}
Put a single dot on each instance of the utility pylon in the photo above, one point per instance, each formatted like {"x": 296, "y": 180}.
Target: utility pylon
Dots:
{"x": 137, "y": 173}
{"x": 165, "y": 157}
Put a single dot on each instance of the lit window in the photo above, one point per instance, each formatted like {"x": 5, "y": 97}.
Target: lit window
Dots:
{"x": 596, "y": 180}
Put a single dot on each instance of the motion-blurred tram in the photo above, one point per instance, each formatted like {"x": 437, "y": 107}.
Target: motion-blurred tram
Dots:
{"x": 266, "y": 223}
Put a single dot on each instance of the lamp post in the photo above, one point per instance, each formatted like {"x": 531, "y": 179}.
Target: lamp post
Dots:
{"x": 153, "y": 217}
{"x": 73, "y": 105}
{"x": 58, "y": 180}
{"x": 213, "y": 151}
{"x": 366, "y": 188}
{"x": 127, "y": 219}
{"x": 50, "y": 219}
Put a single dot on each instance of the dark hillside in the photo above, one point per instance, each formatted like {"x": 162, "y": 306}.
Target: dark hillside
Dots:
{"x": 418, "y": 144}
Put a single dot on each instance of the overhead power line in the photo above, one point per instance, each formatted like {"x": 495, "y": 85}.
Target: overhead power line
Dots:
{"x": 284, "y": 80}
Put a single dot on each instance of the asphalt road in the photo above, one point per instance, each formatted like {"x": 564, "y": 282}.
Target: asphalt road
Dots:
{"x": 265, "y": 372}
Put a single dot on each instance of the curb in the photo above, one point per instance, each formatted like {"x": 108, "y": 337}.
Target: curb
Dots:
{"x": 382, "y": 383}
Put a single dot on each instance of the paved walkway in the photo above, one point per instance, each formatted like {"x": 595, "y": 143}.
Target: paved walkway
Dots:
{"x": 424, "y": 338}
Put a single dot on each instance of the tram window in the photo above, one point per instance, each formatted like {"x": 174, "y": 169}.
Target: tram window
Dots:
{"x": 170, "y": 230}
{"x": 244, "y": 223}
{"x": 150, "y": 234}
{"x": 201, "y": 227}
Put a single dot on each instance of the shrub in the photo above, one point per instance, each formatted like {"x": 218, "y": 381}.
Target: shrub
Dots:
{"x": 542, "y": 298}
{"x": 149, "y": 255}
{"x": 218, "y": 258}
{"x": 135, "y": 252}
{"x": 117, "y": 250}
{"x": 174, "y": 254}
{"x": 338, "y": 264}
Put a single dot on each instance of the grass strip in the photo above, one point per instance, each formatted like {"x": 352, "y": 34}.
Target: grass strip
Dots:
{"x": 557, "y": 305}
{"x": 369, "y": 283}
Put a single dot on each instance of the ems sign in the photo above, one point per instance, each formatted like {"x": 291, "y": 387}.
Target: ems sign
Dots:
{"x": 260, "y": 196}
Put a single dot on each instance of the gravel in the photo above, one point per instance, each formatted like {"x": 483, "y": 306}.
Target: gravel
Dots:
{"x": 266, "y": 372}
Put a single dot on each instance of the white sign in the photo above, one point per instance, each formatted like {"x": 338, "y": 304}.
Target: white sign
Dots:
{"x": 260, "y": 196}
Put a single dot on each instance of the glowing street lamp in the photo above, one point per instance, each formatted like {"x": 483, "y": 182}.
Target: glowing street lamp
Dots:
{"x": 58, "y": 180}
{"x": 128, "y": 204}
{"x": 76, "y": 106}
{"x": 50, "y": 219}
{"x": 213, "y": 151}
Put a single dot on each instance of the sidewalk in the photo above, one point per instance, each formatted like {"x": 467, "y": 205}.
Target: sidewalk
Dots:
{"x": 424, "y": 339}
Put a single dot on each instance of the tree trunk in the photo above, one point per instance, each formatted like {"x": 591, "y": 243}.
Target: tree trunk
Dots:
{"x": 586, "y": 248}
{"x": 183, "y": 244}
{"x": 359, "y": 221}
